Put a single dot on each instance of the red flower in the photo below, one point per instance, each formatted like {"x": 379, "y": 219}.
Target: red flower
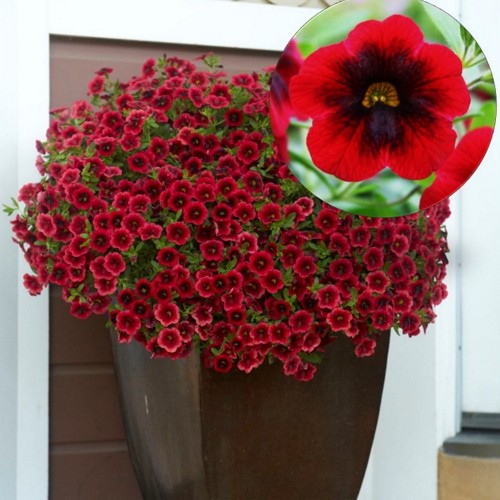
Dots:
{"x": 373, "y": 258}
{"x": 306, "y": 372}
{"x": 100, "y": 240}
{"x": 170, "y": 339}
{"x": 32, "y": 284}
{"x": 121, "y": 239}
{"x": 269, "y": 213}
{"x": 400, "y": 245}
{"x": 381, "y": 98}
{"x": 219, "y": 283}
{"x": 80, "y": 310}
{"x": 131, "y": 222}
{"x": 281, "y": 109}
{"x": 291, "y": 365}
{"x": 377, "y": 281}
{"x": 248, "y": 152}
{"x": 328, "y": 297}
{"x": 244, "y": 211}
{"x": 273, "y": 281}
{"x": 410, "y": 323}
{"x": 212, "y": 250}
{"x": 81, "y": 197}
{"x": 300, "y": 322}
{"x": 96, "y": 85}
{"x": 236, "y": 315}
{"x": 166, "y": 313}
{"x": 305, "y": 266}
{"x": 279, "y": 333}
{"x": 45, "y": 224}
{"x": 261, "y": 263}
{"x": 168, "y": 257}
{"x": 339, "y": 319}
{"x": 233, "y": 117}
{"x": 130, "y": 141}
{"x": 365, "y": 348}
{"x": 326, "y": 221}
{"x": 383, "y": 319}
{"x": 114, "y": 263}
{"x": 139, "y": 163}
{"x": 402, "y": 302}
{"x": 150, "y": 231}
{"x": 458, "y": 167}
{"x": 260, "y": 333}
{"x": 158, "y": 148}
{"x": 185, "y": 288}
{"x": 203, "y": 315}
{"x": 127, "y": 322}
{"x": 341, "y": 269}
{"x": 222, "y": 363}
{"x": 360, "y": 236}
{"x": 178, "y": 232}
{"x": 366, "y": 303}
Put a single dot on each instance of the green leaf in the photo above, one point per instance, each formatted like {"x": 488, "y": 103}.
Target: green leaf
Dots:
{"x": 311, "y": 357}
{"x": 487, "y": 116}
{"x": 488, "y": 77}
{"x": 467, "y": 38}
{"x": 288, "y": 221}
{"x": 447, "y": 26}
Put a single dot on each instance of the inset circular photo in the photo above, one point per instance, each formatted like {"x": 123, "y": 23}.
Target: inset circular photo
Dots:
{"x": 383, "y": 108}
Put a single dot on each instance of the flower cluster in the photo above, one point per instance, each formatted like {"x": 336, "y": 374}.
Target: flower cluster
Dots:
{"x": 163, "y": 203}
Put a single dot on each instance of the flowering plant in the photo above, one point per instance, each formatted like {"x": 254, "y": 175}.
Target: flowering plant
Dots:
{"x": 163, "y": 203}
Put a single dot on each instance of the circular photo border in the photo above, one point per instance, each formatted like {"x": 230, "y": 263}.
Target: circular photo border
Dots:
{"x": 383, "y": 108}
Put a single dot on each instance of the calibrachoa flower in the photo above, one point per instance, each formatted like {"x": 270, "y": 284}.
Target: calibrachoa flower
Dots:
{"x": 174, "y": 214}
{"x": 458, "y": 167}
{"x": 381, "y": 98}
{"x": 281, "y": 109}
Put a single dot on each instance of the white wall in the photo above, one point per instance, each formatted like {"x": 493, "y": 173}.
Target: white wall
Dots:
{"x": 481, "y": 243}
{"x": 24, "y": 321}
{"x": 8, "y": 267}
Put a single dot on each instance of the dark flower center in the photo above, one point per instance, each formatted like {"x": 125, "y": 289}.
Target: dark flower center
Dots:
{"x": 381, "y": 92}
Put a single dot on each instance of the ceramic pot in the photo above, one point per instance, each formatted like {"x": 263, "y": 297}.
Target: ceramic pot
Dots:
{"x": 195, "y": 434}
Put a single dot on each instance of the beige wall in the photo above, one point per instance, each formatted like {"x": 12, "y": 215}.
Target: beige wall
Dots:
{"x": 468, "y": 478}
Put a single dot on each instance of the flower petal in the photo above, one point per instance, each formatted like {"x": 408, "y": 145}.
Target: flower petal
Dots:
{"x": 394, "y": 34}
{"x": 441, "y": 88}
{"x": 338, "y": 148}
{"x": 322, "y": 82}
{"x": 459, "y": 167}
{"x": 425, "y": 144}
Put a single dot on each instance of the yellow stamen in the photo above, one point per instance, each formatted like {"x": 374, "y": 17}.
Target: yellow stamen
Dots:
{"x": 381, "y": 92}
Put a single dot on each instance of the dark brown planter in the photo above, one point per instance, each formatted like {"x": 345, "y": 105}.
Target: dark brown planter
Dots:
{"x": 195, "y": 434}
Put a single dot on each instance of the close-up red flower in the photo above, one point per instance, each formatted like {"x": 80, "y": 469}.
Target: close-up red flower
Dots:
{"x": 381, "y": 98}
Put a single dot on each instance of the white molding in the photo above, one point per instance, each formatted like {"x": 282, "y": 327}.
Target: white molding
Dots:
{"x": 32, "y": 50}
{"x": 481, "y": 237}
{"x": 448, "y": 336}
{"x": 447, "y": 331}
{"x": 9, "y": 280}
{"x": 213, "y": 23}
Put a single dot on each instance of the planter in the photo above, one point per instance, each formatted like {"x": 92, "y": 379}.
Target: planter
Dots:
{"x": 195, "y": 434}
